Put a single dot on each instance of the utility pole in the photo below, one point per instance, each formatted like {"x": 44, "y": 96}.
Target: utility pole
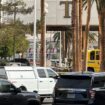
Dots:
{"x": 42, "y": 50}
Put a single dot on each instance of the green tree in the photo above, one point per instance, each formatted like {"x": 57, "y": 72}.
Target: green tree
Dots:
{"x": 6, "y": 39}
{"x": 14, "y": 7}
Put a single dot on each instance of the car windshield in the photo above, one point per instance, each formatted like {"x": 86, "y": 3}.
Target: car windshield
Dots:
{"x": 74, "y": 82}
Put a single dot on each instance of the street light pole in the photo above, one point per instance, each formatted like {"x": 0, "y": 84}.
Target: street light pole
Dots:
{"x": 45, "y": 44}
{"x": 34, "y": 52}
{"x": 60, "y": 47}
{"x": 45, "y": 12}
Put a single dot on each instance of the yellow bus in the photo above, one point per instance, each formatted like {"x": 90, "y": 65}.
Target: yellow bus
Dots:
{"x": 93, "y": 63}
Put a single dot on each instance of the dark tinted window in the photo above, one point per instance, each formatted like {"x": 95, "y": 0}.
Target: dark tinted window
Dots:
{"x": 74, "y": 82}
{"x": 3, "y": 73}
{"x": 51, "y": 73}
{"x": 41, "y": 73}
{"x": 99, "y": 84}
{"x": 97, "y": 55}
{"x": 6, "y": 86}
{"x": 92, "y": 55}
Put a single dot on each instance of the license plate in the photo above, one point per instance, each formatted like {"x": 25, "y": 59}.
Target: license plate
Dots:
{"x": 70, "y": 95}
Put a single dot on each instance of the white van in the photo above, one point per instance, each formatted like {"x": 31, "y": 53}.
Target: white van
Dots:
{"x": 41, "y": 79}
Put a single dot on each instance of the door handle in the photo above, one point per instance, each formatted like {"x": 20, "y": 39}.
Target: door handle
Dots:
{"x": 41, "y": 81}
{"x": 51, "y": 81}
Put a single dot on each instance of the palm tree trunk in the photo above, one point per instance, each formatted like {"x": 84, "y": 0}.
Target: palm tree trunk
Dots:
{"x": 0, "y": 12}
{"x": 42, "y": 50}
{"x": 101, "y": 18}
{"x": 102, "y": 40}
{"x": 80, "y": 36}
{"x": 74, "y": 32}
{"x": 63, "y": 45}
{"x": 77, "y": 35}
{"x": 86, "y": 35}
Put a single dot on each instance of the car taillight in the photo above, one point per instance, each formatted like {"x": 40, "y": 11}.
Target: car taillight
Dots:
{"x": 92, "y": 94}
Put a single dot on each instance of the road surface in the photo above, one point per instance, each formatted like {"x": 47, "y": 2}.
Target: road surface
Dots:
{"x": 47, "y": 101}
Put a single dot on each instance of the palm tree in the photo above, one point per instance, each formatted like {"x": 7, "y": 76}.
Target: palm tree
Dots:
{"x": 86, "y": 34}
{"x": 68, "y": 40}
{"x": 42, "y": 50}
{"x": 101, "y": 17}
{"x": 77, "y": 34}
{"x": 100, "y": 4}
{"x": 0, "y": 11}
{"x": 80, "y": 36}
{"x": 74, "y": 32}
{"x": 92, "y": 37}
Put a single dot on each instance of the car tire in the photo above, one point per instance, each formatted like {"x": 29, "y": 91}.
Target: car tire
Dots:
{"x": 90, "y": 69}
{"x": 53, "y": 104}
{"x": 23, "y": 88}
{"x": 41, "y": 99}
{"x": 34, "y": 103}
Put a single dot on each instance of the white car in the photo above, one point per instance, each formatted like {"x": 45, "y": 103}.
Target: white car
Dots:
{"x": 40, "y": 79}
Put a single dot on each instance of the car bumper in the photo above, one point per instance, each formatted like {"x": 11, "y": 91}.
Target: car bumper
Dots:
{"x": 66, "y": 104}
{"x": 70, "y": 102}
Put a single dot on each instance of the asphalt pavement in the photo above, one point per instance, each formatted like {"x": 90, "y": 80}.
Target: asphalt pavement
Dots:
{"x": 47, "y": 101}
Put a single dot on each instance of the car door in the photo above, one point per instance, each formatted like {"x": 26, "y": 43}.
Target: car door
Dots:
{"x": 52, "y": 78}
{"x": 4, "y": 94}
{"x": 42, "y": 81}
{"x": 10, "y": 96}
{"x": 16, "y": 97}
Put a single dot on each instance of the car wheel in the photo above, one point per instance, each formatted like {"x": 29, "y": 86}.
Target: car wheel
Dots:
{"x": 90, "y": 69}
{"x": 34, "y": 103}
{"x": 53, "y": 104}
{"x": 23, "y": 88}
{"x": 41, "y": 99}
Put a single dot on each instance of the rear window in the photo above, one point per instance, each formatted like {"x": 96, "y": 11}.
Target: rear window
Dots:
{"x": 74, "y": 82}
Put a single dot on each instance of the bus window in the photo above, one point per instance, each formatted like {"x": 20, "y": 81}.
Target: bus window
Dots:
{"x": 97, "y": 55}
{"x": 92, "y": 55}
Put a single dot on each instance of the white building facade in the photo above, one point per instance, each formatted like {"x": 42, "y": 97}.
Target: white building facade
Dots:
{"x": 56, "y": 12}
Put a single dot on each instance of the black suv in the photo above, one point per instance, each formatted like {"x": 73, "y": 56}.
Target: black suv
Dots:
{"x": 10, "y": 95}
{"x": 80, "y": 88}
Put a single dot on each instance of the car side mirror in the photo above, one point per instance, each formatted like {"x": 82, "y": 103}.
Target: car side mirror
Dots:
{"x": 18, "y": 90}
{"x": 56, "y": 77}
